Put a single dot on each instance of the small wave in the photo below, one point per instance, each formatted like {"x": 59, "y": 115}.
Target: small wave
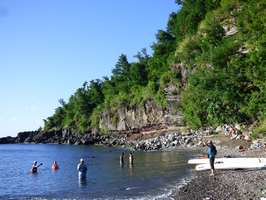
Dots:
{"x": 167, "y": 193}
{"x": 131, "y": 188}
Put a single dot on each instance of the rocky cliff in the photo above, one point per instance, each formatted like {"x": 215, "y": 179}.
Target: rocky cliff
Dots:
{"x": 145, "y": 116}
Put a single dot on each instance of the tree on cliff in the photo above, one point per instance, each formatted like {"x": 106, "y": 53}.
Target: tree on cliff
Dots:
{"x": 220, "y": 43}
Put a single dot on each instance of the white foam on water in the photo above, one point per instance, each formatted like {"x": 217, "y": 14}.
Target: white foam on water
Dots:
{"x": 131, "y": 188}
{"x": 167, "y": 193}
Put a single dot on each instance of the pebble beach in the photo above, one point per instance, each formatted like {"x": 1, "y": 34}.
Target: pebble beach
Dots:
{"x": 226, "y": 184}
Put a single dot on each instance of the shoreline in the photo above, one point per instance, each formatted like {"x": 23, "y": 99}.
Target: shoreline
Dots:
{"x": 226, "y": 184}
{"x": 152, "y": 140}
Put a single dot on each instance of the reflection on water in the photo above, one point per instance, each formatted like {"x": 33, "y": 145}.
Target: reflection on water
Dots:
{"x": 82, "y": 181}
{"x": 121, "y": 159}
{"x": 130, "y": 170}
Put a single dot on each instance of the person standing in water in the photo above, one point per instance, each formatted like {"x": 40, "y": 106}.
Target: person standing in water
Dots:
{"x": 122, "y": 159}
{"x": 34, "y": 168}
{"x": 55, "y": 166}
{"x": 211, "y": 155}
{"x": 130, "y": 159}
{"x": 82, "y": 169}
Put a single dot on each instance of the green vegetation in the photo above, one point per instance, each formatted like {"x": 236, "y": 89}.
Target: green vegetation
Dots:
{"x": 260, "y": 130}
{"x": 227, "y": 84}
{"x": 222, "y": 45}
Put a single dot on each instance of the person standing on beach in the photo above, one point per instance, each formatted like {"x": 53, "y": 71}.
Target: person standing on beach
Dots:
{"x": 211, "y": 155}
{"x": 82, "y": 169}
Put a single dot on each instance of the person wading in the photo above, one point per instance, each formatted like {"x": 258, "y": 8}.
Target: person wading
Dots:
{"x": 130, "y": 159}
{"x": 211, "y": 155}
{"x": 122, "y": 159}
{"x": 34, "y": 168}
{"x": 82, "y": 169}
{"x": 55, "y": 166}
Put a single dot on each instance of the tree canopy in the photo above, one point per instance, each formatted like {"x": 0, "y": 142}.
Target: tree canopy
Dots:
{"x": 221, "y": 44}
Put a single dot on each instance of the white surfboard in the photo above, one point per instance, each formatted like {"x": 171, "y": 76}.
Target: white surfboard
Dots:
{"x": 234, "y": 165}
{"x": 226, "y": 160}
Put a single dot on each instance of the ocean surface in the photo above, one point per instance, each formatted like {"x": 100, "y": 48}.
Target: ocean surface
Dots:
{"x": 154, "y": 175}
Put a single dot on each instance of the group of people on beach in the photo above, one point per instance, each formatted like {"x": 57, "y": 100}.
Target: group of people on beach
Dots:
{"x": 81, "y": 168}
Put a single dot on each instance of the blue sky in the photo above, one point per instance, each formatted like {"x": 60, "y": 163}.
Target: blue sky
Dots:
{"x": 50, "y": 47}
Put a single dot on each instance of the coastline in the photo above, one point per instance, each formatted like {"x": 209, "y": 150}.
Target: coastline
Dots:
{"x": 226, "y": 184}
{"x": 152, "y": 140}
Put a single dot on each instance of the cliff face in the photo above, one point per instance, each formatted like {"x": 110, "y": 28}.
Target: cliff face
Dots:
{"x": 211, "y": 57}
{"x": 144, "y": 116}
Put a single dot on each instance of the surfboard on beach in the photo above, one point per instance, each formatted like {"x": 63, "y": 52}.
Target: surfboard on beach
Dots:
{"x": 233, "y": 165}
{"x": 227, "y": 160}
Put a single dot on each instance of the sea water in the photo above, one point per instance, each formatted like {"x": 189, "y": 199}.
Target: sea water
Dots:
{"x": 153, "y": 175}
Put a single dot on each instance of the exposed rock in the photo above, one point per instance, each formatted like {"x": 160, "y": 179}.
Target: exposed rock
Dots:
{"x": 132, "y": 118}
{"x": 219, "y": 129}
{"x": 141, "y": 117}
{"x": 234, "y": 136}
{"x": 230, "y": 27}
{"x": 27, "y": 135}
{"x": 256, "y": 144}
{"x": 169, "y": 141}
{"x": 182, "y": 69}
{"x": 247, "y": 138}
{"x": 243, "y": 50}
{"x": 240, "y": 147}
{"x": 230, "y": 30}
{"x": 237, "y": 126}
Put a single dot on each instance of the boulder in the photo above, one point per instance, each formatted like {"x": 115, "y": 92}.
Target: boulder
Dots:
{"x": 87, "y": 139}
{"x": 218, "y": 129}
{"x": 247, "y": 138}
{"x": 240, "y": 147}
{"x": 237, "y": 126}
{"x": 256, "y": 144}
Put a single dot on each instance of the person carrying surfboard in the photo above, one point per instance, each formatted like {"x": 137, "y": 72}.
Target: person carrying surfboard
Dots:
{"x": 211, "y": 155}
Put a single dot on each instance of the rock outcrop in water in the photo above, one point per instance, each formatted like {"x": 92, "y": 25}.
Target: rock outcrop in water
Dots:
{"x": 145, "y": 141}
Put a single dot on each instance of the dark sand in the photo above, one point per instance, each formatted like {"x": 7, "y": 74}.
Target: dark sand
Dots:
{"x": 230, "y": 184}
{"x": 227, "y": 184}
